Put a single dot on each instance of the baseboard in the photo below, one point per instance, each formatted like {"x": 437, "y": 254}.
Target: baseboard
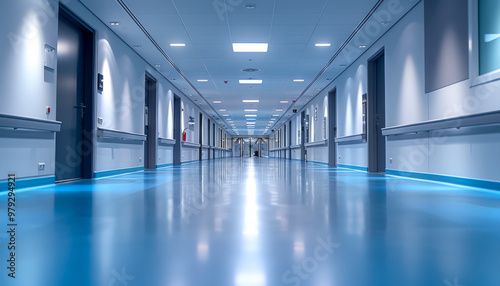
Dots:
{"x": 322, "y": 163}
{"x": 188, "y": 162}
{"x": 102, "y": 174}
{"x": 476, "y": 183}
{"x": 164, "y": 165}
{"x": 358, "y": 168}
{"x": 28, "y": 183}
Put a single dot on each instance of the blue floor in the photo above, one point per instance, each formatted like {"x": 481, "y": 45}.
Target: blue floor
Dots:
{"x": 255, "y": 222}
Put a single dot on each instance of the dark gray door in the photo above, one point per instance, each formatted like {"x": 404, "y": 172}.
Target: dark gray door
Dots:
{"x": 302, "y": 136}
{"x": 380, "y": 113}
{"x": 150, "y": 127}
{"x": 209, "y": 137}
{"x": 376, "y": 114}
{"x": 332, "y": 128}
{"x": 177, "y": 130}
{"x": 200, "y": 136}
{"x": 70, "y": 101}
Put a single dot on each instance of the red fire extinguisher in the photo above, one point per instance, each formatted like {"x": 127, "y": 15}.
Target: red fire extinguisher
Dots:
{"x": 184, "y": 135}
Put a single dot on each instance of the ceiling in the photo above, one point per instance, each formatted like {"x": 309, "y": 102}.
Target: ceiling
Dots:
{"x": 208, "y": 28}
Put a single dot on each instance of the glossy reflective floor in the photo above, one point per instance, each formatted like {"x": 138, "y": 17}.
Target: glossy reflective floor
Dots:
{"x": 255, "y": 222}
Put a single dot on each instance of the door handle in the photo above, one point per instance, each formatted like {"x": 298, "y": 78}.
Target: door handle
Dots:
{"x": 81, "y": 106}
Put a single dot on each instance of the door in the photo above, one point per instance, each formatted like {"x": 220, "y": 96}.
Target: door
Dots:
{"x": 332, "y": 127}
{"x": 209, "y": 137}
{"x": 72, "y": 69}
{"x": 150, "y": 123}
{"x": 200, "y": 136}
{"x": 177, "y": 130}
{"x": 376, "y": 114}
{"x": 302, "y": 136}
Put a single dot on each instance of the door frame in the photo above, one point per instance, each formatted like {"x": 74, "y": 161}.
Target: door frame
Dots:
{"x": 372, "y": 100}
{"x": 151, "y": 140}
{"x": 200, "y": 135}
{"x": 90, "y": 89}
{"x": 332, "y": 127}
{"x": 177, "y": 130}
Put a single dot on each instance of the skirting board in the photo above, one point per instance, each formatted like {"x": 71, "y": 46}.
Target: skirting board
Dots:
{"x": 447, "y": 179}
{"x": 359, "y": 168}
{"x": 28, "y": 183}
{"x": 102, "y": 174}
{"x": 164, "y": 165}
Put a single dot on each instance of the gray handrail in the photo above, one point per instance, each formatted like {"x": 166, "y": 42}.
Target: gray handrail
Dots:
{"x": 122, "y": 135}
{"x": 317, "y": 143}
{"x": 445, "y": 123}
{"x": 29, "y": 123}
{"x": 190, "y": 144}
{"x": 351, "y": 138}
{"x": 166, "y": 141}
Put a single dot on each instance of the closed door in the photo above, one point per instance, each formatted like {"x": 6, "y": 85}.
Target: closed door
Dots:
{"x": 70, "y": 101}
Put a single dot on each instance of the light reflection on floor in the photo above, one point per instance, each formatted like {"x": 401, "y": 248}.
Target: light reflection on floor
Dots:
{"x": 255, "y": 222}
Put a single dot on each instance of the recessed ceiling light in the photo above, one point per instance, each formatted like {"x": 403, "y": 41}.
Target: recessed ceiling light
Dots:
{"x": 114, "y": 23}
{"x": 250, "y": 47}
{"x": 250, "y": 100}
{"x": 250, "y": 123}
{"x": 279, "y": 110}
{"x": 177, "y": 45}
{"x": 250, "y": 6}
{"x": 250, "y": 115}
{"x": 250, "y": 70}
{"x": 362, "y": 46}
{"x": 298, "y": 80}
{"x": 202, "y": 80}
{"x": 157, "y": 66}
{"x": 250, "y": 81}
{"x": 217, "y": 101}
{"x": 250, "y": 110}
{"x": 284, "y": 101}
{"x": 226, "y": 115}
{"x": 222, "y": 110}
{"x": 323, "y": 45}
{"x": 276, "y": 115}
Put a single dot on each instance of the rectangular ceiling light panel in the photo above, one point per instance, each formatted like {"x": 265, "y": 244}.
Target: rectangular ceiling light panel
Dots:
{"x": 250, "y": 47}
{"x": 250, "y": 81}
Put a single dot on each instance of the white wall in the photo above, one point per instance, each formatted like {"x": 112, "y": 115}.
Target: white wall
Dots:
{"x": 468, "y": 152}
{"x": 28, "y": 88}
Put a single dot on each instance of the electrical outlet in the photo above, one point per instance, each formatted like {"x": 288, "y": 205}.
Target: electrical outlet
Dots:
{"x": 140, "y": 159}
{"x": 390, "y": 160}
{"x": 99, "y": 120}
{"x": 41, "y": 166}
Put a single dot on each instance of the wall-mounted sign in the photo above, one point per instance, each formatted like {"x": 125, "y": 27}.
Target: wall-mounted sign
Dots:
{"x": 100, "y": 82}
{"x": 191, "y": 120}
